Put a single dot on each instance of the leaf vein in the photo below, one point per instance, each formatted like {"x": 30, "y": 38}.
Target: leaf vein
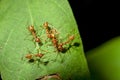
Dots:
{"x": 8, "y": 38}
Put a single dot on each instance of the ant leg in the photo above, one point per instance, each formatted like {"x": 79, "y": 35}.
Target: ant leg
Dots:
{"x": 22, "y": 58}
{"x": 27, "y": 35}
{"x": 57, "y": 57}
{"x": 29, "y": 51}
{"x": 38, "y": 62}
{"x": 62, "y": 57}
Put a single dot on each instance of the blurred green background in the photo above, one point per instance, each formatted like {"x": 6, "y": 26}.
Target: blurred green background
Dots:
{"x": 104, "y": 61}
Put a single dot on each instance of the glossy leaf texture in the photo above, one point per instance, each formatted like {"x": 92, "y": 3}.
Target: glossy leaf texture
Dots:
{"x": 16, "y": 41}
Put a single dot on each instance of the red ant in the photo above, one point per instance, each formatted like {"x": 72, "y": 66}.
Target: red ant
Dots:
{"x": 51, "y": 34}
{"x": 60, "y": 45}
{"x": 71, "y": 38}
{"x": 33, "y": 32}
{"x": 32, "y": 57}
{"x": 47, "y": 29}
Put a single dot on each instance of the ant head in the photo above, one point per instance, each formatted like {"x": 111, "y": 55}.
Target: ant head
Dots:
{"x": 31, "y": 28}
{"x": 45, "y": 24}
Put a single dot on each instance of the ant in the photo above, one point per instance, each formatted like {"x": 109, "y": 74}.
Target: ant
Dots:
{"x": 47, "y": 28}
{"x": 49, "y": 31}
{"x": 51, "y": 34}
{"x": 71, "y": 38}
{"x": 33, "y": 32}
{"x": 32, "y": 57}
{"x": 59, "y": 46}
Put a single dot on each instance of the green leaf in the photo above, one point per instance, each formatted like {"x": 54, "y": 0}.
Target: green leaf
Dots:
{"x": 104, "y": 61}
{"x": 16, "y": 41}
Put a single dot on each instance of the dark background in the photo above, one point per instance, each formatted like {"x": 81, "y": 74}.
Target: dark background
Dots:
{"x": 97, "y": 21}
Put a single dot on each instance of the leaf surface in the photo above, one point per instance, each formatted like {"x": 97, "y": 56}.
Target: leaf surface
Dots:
{"x": 16, "y": 41}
